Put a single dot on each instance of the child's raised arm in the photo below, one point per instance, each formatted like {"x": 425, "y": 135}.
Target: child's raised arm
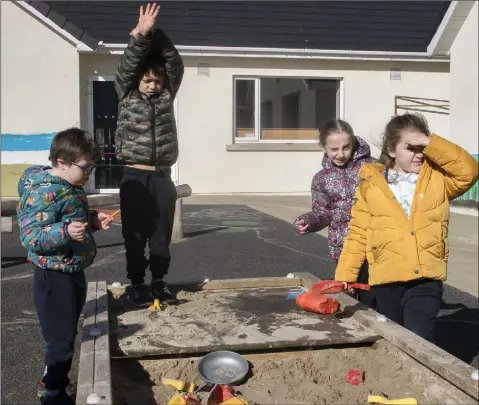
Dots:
{"x": 353, "y": 254}
{"x": 460, "y": 168}
{"x": 136, "y": 51}
{"x": 173, "y": 62}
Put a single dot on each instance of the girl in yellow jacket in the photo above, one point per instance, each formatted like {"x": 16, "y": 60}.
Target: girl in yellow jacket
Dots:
{"x": 400, "y": 221}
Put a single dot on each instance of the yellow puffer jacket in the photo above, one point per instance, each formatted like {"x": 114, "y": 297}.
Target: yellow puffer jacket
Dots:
{"x": 399, "y": 248}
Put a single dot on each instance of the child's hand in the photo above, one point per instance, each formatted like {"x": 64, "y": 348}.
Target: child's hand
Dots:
{"x": 76, "y": 231}
{"x": 418, "y": 141}
{"x": 134, "y": 32}
{"x": 147, "y": 18}
{"x": 97, "y": 221}
{"x": 301, "y": 226}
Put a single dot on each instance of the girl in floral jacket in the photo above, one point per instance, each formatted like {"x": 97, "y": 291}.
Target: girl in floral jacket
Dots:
{"x": 333, "y": 188}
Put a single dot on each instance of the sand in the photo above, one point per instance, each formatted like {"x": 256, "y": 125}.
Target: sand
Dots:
{"x": 302, "y": 377}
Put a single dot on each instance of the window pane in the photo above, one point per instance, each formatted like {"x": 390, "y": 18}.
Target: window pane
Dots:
{"x": 293, "y": 109}
{"x": 244, "y": 114}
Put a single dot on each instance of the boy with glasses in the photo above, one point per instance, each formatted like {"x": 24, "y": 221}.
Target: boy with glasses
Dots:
{"x": 57, "y": 228}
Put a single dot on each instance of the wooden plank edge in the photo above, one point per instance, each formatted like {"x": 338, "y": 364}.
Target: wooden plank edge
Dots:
{"x": 87, "y": 347}
{"x": 444, "y": 364}
{"x": 260, "y": 282}
{"x": 102, "y": 371}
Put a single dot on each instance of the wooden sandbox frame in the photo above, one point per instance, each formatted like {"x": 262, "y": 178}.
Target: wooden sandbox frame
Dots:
{"x": 94, "y": 375}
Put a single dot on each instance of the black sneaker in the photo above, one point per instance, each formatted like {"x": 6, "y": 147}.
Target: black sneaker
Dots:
{"x": 139, "y": 295}
{"x": 62, "y": 398}
{"x": 159, "y": 290}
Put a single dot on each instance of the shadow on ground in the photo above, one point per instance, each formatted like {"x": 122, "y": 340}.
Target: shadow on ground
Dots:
{"x": 457, "y": 332}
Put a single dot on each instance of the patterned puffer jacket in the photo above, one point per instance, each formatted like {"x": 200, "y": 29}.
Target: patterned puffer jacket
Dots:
{"x": 332, "y": 190}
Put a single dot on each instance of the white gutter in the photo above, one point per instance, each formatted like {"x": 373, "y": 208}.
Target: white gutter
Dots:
{"x": 440, "y": 30}
{"x": 60, "y": 31}
{"x": 288, "y": 53}
{"x": 449, "y": 27}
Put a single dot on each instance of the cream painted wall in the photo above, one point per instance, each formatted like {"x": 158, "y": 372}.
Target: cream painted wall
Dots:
{"x": 464, "y": 84}
{"x": 205, "y": 116}
{"x": 39, "y": 79}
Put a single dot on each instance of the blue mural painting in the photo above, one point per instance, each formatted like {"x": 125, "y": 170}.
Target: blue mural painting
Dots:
{"x": 24, "y": 143}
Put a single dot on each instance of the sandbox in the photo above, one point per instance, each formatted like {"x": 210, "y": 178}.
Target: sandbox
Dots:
{"x": 298, "y": 377}
{"x": 295, "y": 357}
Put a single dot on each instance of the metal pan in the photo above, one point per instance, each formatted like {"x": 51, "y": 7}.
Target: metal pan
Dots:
{"x": 223, "y": 367}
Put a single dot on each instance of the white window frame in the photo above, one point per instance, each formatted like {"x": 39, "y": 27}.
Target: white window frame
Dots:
{"x": 257, "y": 106}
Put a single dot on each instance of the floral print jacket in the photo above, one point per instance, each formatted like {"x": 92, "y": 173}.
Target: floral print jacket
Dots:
{"x": 47, "y": 205}
{"x": 332, "y": 190}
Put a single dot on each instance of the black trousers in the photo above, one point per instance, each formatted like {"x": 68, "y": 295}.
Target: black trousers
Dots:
{"x": 364, "y": 296}
{"x": 147, "y": 202}
{"x": 59, "y": 299}
{"x": 414, "y": 304}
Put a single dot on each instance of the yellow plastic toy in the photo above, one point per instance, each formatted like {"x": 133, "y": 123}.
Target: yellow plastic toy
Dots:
{"x": 376, "y": 399}
{"x": 178, "y": 399}
{"x": 156, "y": 305}
{"x": 179, "y": 385}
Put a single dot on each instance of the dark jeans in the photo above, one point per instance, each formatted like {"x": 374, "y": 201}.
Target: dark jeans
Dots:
{"x": 364, "y": 296}
{"x": 147, "y": 202}
{"x": 414, "y": 304}
{"x": 59, "y": 299}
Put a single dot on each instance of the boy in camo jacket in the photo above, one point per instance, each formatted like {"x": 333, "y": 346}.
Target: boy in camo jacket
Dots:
{"x": 147, "y": 81}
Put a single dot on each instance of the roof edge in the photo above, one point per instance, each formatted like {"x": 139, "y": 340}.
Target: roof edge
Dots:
{"x": 449, "y": 28}
{"x": 58, "y": 23}
{"x": 288, "y": 53}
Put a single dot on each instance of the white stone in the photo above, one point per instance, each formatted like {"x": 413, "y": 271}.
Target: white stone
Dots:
{"x": 93, "y": 398}
{"x": 381, "y": 318}
{"x": 290, "y": 275}
{"x": 116, "y": 284}
{"x": 475, "y": 375}
{"x": 95, "y": 332}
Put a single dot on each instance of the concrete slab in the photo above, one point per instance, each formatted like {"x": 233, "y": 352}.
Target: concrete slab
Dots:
{"x": 234, "y": 319}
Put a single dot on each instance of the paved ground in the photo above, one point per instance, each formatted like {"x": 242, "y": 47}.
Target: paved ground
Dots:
{"x": 223, "y": 241}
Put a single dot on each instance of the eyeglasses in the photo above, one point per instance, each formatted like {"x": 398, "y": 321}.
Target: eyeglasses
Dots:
{"x": 85, "y": 169}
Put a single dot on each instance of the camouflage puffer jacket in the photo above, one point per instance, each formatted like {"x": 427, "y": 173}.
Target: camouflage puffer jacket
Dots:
{"x": 146, "y": 128}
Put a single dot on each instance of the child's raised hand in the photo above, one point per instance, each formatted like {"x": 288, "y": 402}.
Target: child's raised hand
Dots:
{"x": 147, "y": 18}
{"x": 134, "y": 32}
{"x": 301, "y": 227}
{"x": 76, "y": 231}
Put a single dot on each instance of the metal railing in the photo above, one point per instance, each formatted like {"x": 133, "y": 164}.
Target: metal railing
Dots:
{"x": 420, "y": 104}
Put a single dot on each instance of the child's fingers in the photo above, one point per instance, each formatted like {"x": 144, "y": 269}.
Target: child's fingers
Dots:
{"x": 141, "y": 11}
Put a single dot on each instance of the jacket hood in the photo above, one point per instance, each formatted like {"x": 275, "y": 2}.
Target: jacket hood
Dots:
{"x": 37, "y": 175}
{"x": 361, "y": 151}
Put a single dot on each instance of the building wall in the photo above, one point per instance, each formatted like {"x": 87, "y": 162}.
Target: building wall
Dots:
{"x": 464, "y": 90}
{"x": 40, "y": 91}
{"x": 205, "y": 116}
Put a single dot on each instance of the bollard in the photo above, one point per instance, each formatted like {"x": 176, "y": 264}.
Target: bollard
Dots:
{"x": 182, "y": 191}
